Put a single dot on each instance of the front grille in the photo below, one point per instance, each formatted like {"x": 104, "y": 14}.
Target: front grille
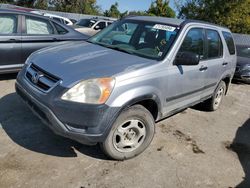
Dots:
{"x": 41, "y": 79}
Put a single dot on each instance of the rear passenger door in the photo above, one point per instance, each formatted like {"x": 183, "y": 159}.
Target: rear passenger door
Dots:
{"x": 10, "y": 41}
{"x": 37, "y": 33}
{"x": 214, "y": 60}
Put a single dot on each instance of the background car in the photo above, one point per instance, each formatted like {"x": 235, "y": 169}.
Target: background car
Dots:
{"x": 22, "y": 33}
{"x": 243, "y": 63}
{"x": 92, "y": 26}
{"x": 61, "y": 19}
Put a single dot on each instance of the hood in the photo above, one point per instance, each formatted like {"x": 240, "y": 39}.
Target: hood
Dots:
{"x": 242, "y": 61}
{"x": 76, "y": 61}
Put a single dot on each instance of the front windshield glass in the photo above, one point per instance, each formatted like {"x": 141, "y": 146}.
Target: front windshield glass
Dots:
{"x": 86, "y": 22}
{"x": 147, "y": 39}
{"x": 243, "y": 51}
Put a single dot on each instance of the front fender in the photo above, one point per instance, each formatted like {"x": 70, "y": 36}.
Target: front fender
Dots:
{"x": 135, "y": 95}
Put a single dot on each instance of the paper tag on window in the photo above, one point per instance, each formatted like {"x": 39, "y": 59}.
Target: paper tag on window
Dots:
{"x": 160, "y": 54}
{"x": 164, "y": 27}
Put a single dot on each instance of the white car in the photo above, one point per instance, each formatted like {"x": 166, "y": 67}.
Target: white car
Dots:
{"x": 60, "y": 19}
{"x": 92, "y": 26}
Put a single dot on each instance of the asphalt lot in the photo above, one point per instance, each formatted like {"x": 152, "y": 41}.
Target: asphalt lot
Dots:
{"x": 191, "y": 149}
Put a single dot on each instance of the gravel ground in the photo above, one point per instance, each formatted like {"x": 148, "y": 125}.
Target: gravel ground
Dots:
{"x": 191, "y": 149}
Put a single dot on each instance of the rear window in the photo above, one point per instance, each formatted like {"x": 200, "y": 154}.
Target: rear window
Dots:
{"x": 230, "y": 42}
{"x": 37, "y": 26}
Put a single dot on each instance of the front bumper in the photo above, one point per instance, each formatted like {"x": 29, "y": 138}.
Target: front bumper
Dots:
{"x": 87, "y": 124}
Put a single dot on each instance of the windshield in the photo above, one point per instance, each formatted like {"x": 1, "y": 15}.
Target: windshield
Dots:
{"x": 147, "y": 39}
{"x": 243, "y": 51}
{"x": 86, "y": 22}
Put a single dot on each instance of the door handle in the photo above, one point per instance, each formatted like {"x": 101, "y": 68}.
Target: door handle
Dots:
{"x": 225, "y": 64}
{"x": 13, "y": 40}
{"x": 203, "y": 68}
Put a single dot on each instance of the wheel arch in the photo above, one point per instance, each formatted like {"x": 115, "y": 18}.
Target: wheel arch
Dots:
{"x": 150, "y": 101}
{"x": 227, "y": 80}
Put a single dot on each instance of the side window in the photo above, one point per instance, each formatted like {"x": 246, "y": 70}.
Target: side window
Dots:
{"x": 230, "y": 42}
{"x": 101, "y": 25}
{"x": 58, "y": 19}
{"x": 215, "y": 47}
{"x": 38, "y": 26}
{"x": 8, "y": 24}
{"x": 66, "y": 22}
{"x": 60, "y": 30}
{"x": 194, "y": 42}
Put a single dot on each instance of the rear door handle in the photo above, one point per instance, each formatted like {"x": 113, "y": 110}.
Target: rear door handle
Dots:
{"x": 225, "y": 64}
{"x": 203, "y": 68}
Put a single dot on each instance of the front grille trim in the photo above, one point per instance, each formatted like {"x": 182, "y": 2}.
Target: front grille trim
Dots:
{"x": 45, "y": 83}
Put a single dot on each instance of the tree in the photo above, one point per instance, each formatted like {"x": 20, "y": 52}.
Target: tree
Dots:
{"x": 234, "y": 14}
{"x": 138, "y": 13}
{"x": 161, "y": 8}
{"x": 27, "y": 3}
{"x": 41, "y": 4}
{"x": 113, "y": 11}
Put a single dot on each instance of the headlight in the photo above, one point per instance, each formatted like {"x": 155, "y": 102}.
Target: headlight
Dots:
{"x": 94, "y": 91}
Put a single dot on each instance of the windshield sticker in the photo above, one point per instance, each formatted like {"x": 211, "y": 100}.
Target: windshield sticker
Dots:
{"x": 164, "y": 27}
{"x": 160, "y": 54}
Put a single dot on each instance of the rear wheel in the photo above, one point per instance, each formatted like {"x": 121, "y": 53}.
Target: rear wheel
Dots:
{"x": 131, "y": 133}
{"x": 213, "y": 103}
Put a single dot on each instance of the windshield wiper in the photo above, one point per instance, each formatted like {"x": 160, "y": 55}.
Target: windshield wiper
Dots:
{"x": 111, "y": 47}
{"x": 119, "y": 49}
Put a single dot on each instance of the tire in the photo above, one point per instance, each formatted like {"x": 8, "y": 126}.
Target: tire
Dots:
{"x": 214, "y": 102}
{"x": 130, "y": 135}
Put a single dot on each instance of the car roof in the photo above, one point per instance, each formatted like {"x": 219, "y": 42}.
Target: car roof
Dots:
{"x": 13, "y": 11}
{"x": 171, "y": 21}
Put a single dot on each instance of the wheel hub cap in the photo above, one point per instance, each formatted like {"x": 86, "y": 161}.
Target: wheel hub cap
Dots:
{"x": 129, "y": 135}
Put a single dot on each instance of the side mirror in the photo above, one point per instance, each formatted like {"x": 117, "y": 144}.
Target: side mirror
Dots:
{"x": 187, "y": 58}
{"x": 97, "y": 27}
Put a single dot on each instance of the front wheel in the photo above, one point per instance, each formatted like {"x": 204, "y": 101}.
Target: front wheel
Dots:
{"x": 131, "y": 133}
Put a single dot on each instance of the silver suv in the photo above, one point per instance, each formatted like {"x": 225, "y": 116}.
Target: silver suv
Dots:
{"x": 113, "y": 88}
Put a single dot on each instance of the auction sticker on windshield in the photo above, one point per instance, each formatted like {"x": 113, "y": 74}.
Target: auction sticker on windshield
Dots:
{"x": 164, "y": 27}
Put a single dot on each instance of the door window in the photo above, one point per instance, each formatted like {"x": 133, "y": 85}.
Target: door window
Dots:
{"x": 38, "y": 26}
{"x": 58, "y": 19}
{"x": 215, "y": 48}
{"x": 8, "y": 24}
{"x": 194, "y": 42}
